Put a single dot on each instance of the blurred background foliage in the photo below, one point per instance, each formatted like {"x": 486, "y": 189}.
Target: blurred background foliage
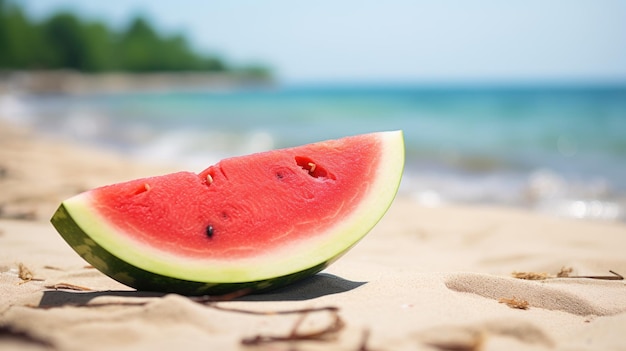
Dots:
{"x": 65, "y": 41}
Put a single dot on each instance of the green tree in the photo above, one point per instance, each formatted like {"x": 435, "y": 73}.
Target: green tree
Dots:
{"x": 20, "y": 42}
{"x": 100, "y": 48}
{"x": 139, "y": 47}
{"x": 142, "y": 49}
{"x": 66, "y": 41}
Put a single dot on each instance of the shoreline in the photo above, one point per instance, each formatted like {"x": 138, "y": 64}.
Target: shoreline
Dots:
{"x": 75, "y": 82}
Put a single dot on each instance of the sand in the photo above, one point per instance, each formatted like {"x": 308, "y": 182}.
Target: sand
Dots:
{"x": 423, "y": 279}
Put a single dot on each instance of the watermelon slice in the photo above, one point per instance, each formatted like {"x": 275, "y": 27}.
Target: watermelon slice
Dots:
{"x": 253, "y": 222}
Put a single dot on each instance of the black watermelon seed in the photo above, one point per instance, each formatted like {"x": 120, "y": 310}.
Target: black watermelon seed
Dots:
{"x": 209, "y": 231}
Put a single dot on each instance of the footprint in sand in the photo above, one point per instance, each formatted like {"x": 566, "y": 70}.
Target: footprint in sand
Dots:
{"x": 581, "y": 297}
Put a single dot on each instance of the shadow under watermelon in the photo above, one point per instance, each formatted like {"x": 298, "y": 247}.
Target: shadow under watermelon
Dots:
{"x": 318, "y": 285}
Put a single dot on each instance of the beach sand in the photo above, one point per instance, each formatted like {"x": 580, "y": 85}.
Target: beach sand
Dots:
{"x": 423, "y": 279}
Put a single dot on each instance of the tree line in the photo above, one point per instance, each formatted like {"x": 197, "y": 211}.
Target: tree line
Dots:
{"x": 64, "y": 41}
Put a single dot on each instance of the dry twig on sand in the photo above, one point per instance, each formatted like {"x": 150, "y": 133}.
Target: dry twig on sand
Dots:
{"x": 564, "y": 273}
{"x": 324, "y": 334}
{"x": 25, "y": 274}
{"x": 68, "y": 286}
{"x": 530, "y": 275}
{"x": 515, "y": 303}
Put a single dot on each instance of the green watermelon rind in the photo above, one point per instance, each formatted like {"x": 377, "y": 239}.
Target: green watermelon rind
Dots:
{"x": 143, "y": 280}
{"x": 144, "y": 268}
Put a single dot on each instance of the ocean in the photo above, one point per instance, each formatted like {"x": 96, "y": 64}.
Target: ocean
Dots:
{"x": 560, "y": 151}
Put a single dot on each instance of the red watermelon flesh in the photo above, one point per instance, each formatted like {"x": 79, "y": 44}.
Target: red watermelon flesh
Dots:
{"x": 245, "y": 219}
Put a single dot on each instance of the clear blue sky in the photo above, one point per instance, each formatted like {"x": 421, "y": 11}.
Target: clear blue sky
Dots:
{"x": 403, "y": 41}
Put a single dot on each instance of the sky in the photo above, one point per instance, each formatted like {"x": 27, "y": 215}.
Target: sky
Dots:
{"x": 392, "y": 41}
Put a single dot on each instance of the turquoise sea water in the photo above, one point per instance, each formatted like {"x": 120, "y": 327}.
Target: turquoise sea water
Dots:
{"x": 558, "y": 150}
